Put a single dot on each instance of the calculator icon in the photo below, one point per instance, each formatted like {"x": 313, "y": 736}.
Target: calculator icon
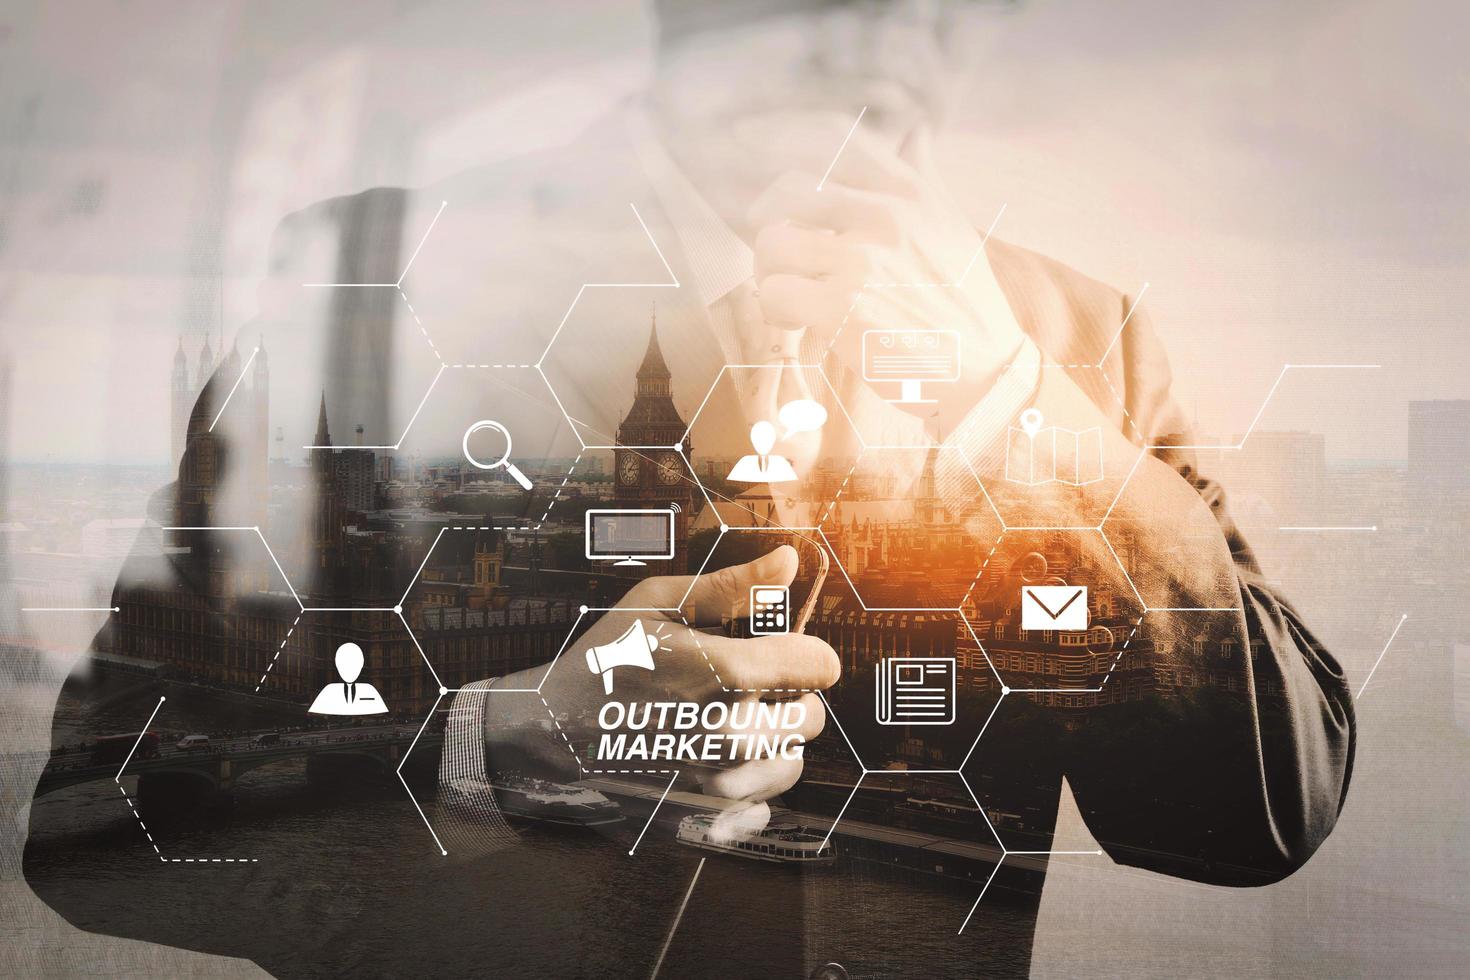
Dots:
{"x": 770, "y": 609}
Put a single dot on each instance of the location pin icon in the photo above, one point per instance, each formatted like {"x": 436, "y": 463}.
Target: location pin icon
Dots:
{"x": 1031, "y": 422}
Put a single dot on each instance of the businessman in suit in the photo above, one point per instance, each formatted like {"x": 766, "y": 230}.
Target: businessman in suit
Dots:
{"x": 776, "y": 265}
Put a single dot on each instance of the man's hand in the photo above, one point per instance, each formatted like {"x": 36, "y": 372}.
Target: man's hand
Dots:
{"x": 881, "y": 246}
{"x": 701, "y": 670}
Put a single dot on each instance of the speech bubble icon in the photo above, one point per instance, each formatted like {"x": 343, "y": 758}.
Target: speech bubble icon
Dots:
{"x": 802, "y": 415}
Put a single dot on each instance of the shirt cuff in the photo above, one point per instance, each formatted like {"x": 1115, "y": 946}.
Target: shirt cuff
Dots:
{"x": 470, "y": 822}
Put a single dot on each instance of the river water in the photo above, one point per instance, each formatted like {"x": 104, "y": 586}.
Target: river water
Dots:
{"x": 346, "y": 880}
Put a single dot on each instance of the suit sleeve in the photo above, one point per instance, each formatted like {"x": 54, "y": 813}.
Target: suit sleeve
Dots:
{"x": 1241, "y": 778}
{"x": 350, "y": 238}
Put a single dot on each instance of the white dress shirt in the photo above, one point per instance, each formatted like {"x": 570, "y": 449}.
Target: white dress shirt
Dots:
{"x": 722, "y": 265}
{"x": 722, "y": 269}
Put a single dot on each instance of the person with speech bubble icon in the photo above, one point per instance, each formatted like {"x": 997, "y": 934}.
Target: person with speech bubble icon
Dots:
{"x": 762, "y": 466}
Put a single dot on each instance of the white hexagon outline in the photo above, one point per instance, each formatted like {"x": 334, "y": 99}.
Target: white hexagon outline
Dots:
{"x": 1005, "y": 852}
{"x": 1147, "y": 448}
{"x": 1143, "y": 610}
{"x": 689, "y": 428}
{"x": 1143, "y": 448}
{"x": 940, "y": 447}
{"x": 254, "y": 529}
{"x": 540, "y": 363}
{"x": 397, "y": 286}
{"x": 117, "y": 780}
{"x": 446, "y": 691}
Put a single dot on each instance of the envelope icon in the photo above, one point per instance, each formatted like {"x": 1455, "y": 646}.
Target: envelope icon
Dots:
{"x": 1053, "y": 607}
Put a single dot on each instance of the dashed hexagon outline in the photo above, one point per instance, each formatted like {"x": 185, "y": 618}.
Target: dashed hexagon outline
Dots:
{"x": 958, "y": 283}
{"x": 689, "y": 430}
{"x": 255, "y": 529}
{"x": 446, "y": 691}
{"x": 398, "y": 609}
{"x": 1143, "y": 448}
{"x": 724, "y": 530}
{"x": 540, "y": 363}
{"x": 1005, "y": 852}
{"x": 397, "y": 287}
{"x": 117, "y": 781}
{"x": 837, "y": 721}
{"x": 1133, "y": 632}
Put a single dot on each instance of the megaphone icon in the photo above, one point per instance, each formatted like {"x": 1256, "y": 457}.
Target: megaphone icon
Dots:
{"x": 633, "y": 649}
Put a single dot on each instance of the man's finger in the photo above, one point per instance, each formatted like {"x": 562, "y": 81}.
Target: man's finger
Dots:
{"x": 796, "y": 301}
{"x": 870, "y": 164}
{"x": 787, "y": 664}
{"x": 800, "y": 251}
{"x": 725, "y": 592}
{"x": 759, "y": 779}
{"x": 855, "y": 156}
{"x": 814, "y": 719}
{"x": 740, "y": 822}
{"x": 865, "y": 215}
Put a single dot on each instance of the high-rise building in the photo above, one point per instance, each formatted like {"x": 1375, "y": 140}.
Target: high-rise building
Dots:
{"x": 1439, "y": 455}
{"x": 260, "y": 427}
{"x": 328, "y": 515}
{"x": 7, "y": 530}
{"x": 215, "y": 441}
{"x": 181, "y": 395}
{"x": 1285, "y": 471}
{"x": 355, "y": 472}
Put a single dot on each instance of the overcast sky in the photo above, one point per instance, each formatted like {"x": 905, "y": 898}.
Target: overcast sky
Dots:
{"x": 1290, "y": 179}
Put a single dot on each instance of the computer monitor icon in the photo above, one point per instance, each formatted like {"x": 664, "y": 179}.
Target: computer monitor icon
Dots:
{"x": 630, "y": 537}
{"x": 911, "y": 357}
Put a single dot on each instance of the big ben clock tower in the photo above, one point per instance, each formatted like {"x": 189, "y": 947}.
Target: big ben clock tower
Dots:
{"x": 652, "y": 475}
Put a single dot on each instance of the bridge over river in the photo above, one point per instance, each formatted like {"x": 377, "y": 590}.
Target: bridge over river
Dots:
{"x": 224, "y": 760}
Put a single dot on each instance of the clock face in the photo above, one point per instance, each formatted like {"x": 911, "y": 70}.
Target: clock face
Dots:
{"x": 628, "y": 469}
{"x": 670, "y": 470}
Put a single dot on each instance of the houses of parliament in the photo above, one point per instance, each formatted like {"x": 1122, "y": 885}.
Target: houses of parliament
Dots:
{"x": 209, "y": 605}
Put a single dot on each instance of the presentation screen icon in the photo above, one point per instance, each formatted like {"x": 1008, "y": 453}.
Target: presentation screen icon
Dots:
{"x": 1053, "y": 607}
{"x": 770, "y": 612}
{"x": 630, "y": 537}
{"x": 909, "y": 358}
{"x": 916, "y": 691}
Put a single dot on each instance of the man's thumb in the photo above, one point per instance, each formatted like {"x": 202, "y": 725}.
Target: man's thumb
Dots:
{"x": 730, "y": 587}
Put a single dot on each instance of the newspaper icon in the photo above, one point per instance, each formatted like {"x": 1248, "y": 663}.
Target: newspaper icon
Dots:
{"x": 916, "y": 691}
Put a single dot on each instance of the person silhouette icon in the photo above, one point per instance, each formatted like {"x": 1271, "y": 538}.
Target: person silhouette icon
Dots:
{"x": 349, "y": 696}
{"x": 761, "y": 466}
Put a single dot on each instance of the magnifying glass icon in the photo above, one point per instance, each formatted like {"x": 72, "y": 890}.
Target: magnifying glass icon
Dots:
{"x": 504, "y": 460}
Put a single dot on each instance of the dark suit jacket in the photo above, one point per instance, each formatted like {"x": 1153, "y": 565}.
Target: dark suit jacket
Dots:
{"x": 1238, "y": 789}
